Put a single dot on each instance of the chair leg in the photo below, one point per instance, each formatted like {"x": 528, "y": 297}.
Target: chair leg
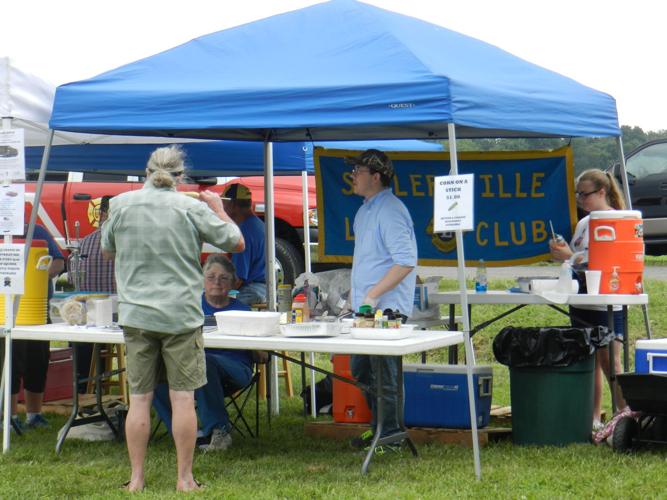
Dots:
{"x": 288, "y": 379}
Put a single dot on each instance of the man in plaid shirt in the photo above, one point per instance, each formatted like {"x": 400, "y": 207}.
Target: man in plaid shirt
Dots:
{"x": 98, "y": 273}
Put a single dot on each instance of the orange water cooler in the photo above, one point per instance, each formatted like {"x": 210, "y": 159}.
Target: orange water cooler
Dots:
{"x": 349, "y": 403}
{"x": 616, "y": 247}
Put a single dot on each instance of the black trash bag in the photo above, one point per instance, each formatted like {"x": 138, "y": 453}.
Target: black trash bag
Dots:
{"x": 323, "y": 394}
{"x": 547, "y": 346}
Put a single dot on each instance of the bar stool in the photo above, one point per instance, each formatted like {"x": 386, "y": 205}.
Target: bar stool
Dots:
{"x": 284, "y": 373}
{"x": 110, "y": 352}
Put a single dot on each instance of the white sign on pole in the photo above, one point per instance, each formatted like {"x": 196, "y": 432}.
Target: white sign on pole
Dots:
{"x": 11, "y": 268}
{"x": 12, "y": 209}
{"x": 12, "y": 154}
{"x": 453, "y": 203}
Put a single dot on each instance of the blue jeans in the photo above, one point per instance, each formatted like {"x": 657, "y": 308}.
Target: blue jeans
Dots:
{"x": 365, "y": 368}
{"x": 225, "y": 373}
{"x": 252, "y": 293}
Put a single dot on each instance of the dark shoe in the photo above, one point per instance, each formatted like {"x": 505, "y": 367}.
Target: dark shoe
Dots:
{"x": 363, "y": 441}
{"x": 37, "y": 422}
{"x": 17, "y": 424}
{"x": 219, "y": 440}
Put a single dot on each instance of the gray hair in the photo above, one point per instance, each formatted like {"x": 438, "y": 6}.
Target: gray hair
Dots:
{"x": 165, "y": 165}
{"x": 223, "y": 261}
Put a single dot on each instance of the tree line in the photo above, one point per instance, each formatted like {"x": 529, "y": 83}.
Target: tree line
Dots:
{"x": 588, "y": 152}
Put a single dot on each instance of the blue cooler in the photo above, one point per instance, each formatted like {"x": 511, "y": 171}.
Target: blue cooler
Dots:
{"x": 651, "y": 356}
{"x": 437, "y": 395}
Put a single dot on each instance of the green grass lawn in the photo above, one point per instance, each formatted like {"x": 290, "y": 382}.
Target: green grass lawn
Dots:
{"x": 284, "y": 463}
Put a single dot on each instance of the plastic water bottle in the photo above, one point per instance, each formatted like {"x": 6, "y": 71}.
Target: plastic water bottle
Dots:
{"x": 480, "y": 277}
{"x": 565, "y": 278}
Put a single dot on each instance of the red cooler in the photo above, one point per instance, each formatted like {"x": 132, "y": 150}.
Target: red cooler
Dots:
{"x": 616, "y": 247}
{"x": 349, "y": 403}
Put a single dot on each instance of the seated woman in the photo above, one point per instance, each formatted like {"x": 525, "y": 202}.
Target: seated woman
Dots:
{"x": 226, "y": 370}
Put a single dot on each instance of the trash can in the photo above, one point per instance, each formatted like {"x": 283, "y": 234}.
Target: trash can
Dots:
{"x": 551, "y": 381}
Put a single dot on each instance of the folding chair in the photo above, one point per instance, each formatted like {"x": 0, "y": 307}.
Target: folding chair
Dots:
{"x": 238, "y": 400}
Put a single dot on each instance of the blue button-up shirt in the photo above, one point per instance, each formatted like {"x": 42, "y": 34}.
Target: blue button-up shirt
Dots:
{"x": 384, "y": 235}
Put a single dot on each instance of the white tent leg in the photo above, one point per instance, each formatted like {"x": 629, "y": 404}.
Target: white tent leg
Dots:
{"x": 306, "y": 253}
{"x": 469, "y": 352}
{"x": 270, "y": 228}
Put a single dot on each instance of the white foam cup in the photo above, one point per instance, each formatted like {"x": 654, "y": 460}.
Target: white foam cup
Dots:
{"x": 593, "y": 282}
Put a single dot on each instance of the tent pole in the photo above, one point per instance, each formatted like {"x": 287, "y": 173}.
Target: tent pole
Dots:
{"x": 270, "y": 228}
{"x": 308, "y": 267}
{"x": 469, "y": 352}
{"x": 624, "y": 174}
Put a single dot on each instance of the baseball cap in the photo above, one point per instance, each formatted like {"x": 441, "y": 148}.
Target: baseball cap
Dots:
{"x": 236, "y": 192}
{"x": 375, "y": 160}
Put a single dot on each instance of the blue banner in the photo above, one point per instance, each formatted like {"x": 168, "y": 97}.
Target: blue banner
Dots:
{"x": 516, "y": 195}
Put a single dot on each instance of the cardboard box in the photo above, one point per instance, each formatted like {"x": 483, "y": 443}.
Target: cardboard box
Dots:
{"x": 651, "y": 356}
{"x": 437, "y": 395}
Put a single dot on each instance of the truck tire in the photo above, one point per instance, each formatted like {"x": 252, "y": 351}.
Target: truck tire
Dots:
{"x": 289, "y": 263}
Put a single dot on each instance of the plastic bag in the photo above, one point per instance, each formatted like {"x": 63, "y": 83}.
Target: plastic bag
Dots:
{"x": 548, "y": 346}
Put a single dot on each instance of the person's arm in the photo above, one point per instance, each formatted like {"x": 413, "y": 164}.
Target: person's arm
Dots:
{"x": 394, "y": 276}
{"x": 560, "y": 251}
{"x": 215, "y": 204}
{"x": 57, "y": 266}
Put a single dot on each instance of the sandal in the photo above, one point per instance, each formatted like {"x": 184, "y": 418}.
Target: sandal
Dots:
{"x": 126, "y": 484}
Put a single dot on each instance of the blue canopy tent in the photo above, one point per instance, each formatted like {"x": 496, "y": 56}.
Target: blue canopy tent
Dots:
{"x": 212, "y": 158}
{"x": 339, "y": 70}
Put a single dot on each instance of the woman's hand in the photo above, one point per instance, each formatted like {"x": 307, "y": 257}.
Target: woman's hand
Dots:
{"x": 560, "y": 251}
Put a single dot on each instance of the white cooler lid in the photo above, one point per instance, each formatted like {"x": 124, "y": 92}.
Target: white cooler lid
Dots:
{"x": 450, "y": 369}
{"x": 652, "y": 344}
{"x": 616, "y": 214}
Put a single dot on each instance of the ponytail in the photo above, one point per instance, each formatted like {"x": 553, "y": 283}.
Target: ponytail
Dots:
{"x": 165, "y": 165}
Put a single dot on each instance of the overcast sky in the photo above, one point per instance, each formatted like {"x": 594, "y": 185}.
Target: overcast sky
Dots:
{"x": 613, "y": 46}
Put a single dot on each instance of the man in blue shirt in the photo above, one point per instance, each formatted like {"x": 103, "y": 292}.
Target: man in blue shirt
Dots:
{"x": 383, "y": 275}
{"x": 250, "y": 264}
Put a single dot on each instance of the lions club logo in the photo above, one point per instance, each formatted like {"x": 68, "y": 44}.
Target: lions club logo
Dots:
{"x": 445, "y": 242}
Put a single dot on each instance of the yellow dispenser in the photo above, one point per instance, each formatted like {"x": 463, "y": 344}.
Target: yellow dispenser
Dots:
{"x": 34, "y": 301}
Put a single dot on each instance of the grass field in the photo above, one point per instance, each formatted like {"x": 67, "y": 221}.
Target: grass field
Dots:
{"x": 284, "y": 463}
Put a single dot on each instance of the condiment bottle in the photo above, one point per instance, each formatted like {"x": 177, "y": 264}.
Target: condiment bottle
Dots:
{"x": 300, "y": 310}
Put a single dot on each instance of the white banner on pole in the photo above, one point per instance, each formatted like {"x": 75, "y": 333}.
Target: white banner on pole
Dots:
{"x": 12, "y": 209}
{"x": 12, "y": 154}
{"x": 453, "y": 203}
{"x": 12, "y": 263}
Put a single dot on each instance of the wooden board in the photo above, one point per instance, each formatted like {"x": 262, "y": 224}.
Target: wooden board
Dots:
{"x": 333, "y": 430}
{"x": 64, "y": 406}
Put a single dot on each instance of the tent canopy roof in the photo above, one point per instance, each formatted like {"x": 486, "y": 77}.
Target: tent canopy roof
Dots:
{"x": 336, "y": 70}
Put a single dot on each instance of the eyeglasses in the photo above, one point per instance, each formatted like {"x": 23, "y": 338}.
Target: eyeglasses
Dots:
{"x": 581, "y": 194}
{"x": 212, "y": 278}
{"x": 358, "y": 169}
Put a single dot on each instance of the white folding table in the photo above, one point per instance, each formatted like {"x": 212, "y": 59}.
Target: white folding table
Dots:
{"x": 419, "y": 341}
{"x": 520, "y": 300}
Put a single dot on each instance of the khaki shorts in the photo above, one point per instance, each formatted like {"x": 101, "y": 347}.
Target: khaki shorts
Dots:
{"x": 152, "y": 355}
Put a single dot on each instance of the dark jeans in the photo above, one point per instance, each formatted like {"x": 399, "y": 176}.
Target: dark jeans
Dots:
{"x": 365, "y": 369}
{"x": 225, "y": 374}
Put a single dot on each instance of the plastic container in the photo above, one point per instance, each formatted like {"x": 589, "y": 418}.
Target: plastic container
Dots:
{"x": 616, "y": 240}
{"x": 248, "y": 323}
{"x": 349, "y": 403}
{"x": 33, "y": 305}
{"x": 311, "y": 329}
{"x": 284, "y": 298}
{"x": 300, "y": 309}
{"x": 552, "y": 405}
{"x": 437, "y": 395}
{"x": 481, "y": 283}
{"x": 651, "y": 356}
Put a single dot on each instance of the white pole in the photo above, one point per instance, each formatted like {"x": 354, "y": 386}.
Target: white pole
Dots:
{"x": 306, "y": 253}
{"x": 470, "y": 354}
{"x": 9, "y": 323}
{"x": 269, "y": 221}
